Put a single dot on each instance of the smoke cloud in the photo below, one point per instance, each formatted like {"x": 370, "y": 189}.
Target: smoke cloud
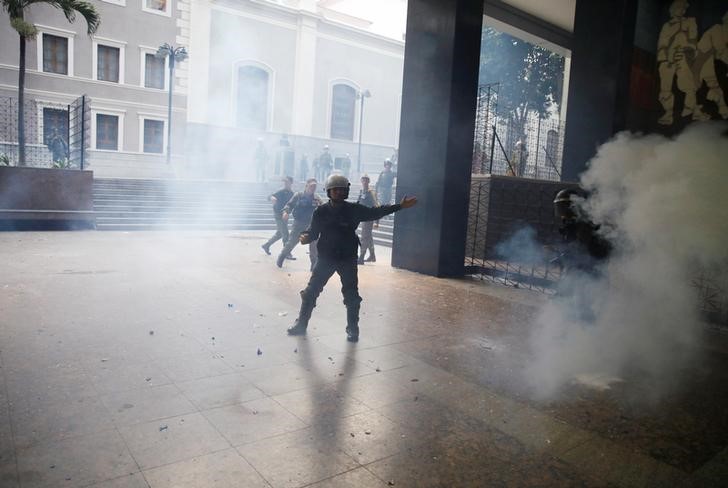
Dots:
{"x": 663, "y": 205}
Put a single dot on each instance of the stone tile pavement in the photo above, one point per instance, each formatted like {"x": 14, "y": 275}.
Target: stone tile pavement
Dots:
{"x": 160, "y": 360}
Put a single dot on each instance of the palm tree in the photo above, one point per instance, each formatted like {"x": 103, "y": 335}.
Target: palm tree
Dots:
{"x": 26, "y": 31}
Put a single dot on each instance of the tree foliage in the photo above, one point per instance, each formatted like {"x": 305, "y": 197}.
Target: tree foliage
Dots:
{"x": 530, "y": 76}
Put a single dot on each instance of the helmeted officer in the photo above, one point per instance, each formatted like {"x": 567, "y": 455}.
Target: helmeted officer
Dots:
{"x": 585, "y": 246}
{"x": 334, "y": 225}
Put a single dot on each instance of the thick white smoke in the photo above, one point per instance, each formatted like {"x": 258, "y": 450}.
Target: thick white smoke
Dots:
{"x": 663, "y": 204}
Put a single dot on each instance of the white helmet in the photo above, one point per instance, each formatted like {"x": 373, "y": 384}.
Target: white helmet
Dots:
{"x": 337, "y": 181}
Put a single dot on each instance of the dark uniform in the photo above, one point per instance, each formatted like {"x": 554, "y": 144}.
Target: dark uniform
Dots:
{"x": 335, "y": 228}
{"x": 385, "y": 181}
{"x": 368, "y": 199}
{"x": 301, "y": 206}
{"x": 326, "y": 164}
{"x": 282, "y": 196}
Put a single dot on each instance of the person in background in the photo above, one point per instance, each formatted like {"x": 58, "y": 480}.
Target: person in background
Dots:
{"x": 368, "y": 198}
{"x": 279, "y": 200}
{"x": 326, "y": 163}
{"x": 385, "y": 181}
{"x": 261, "y": 160}
{"x": 301, "y": 206}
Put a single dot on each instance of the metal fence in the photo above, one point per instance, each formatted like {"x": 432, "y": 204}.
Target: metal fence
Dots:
{"x": 56, "y": 135}
{"x": 500, "y": 208}
{"x": 501, "y": 146}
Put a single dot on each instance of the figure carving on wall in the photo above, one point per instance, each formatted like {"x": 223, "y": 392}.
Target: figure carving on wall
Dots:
{"x": 676, "y": 50}
{"x": 711, "y": 47}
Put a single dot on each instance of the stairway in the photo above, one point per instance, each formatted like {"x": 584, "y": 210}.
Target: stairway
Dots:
{"x": 133, "y": 204}
{"x": 130, "y": 204}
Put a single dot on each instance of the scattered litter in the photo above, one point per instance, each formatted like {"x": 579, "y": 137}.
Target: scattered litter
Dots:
{"x": 230, "y": 305}
{"x": 414, "y": 380}
{"x": 390, "y": 483}
{"x": 295, "y": 350}
{"x": 378, "y": 370}
{"x": 163, "y": 427}
{"x": 261, "y": 315}
{"x": 350, "y": 433}
{"x": 548, "y": 441}
{"x": 368, "y": 432}
{"x": 341, "y": 374}
{"x": 260, "y": 353}
{"x": 282, "y": 314}
{"x": 255, "y": 412}
{"x": 213, "y": 338}
{"x": 103, "y": 360}
{"x": 330, "y": 358}
{"x": 417, "y": 398}
{"x": 53, "y": 466}
{"x": 68, "y": 478}
{"x": 151, "y": 332}
{"x": 148, "y": 379}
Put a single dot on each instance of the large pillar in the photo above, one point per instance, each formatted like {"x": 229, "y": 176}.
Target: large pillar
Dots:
{"x": 439, "y": 95}
{"x": 603, "y": 42}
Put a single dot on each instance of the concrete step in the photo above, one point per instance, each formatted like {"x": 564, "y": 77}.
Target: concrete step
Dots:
{"x": 126, "y": 204}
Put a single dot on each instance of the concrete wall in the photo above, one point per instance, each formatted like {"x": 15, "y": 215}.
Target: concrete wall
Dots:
{"x": 41, "y": 198}
{"x": 502, "y": 205}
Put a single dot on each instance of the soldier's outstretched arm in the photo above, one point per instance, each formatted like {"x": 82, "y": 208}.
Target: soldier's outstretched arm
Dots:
{"x": 365, "y": 213}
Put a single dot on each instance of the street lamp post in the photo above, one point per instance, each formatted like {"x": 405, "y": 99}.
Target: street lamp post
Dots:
{"x": 361, "y": 96}
{"x": 174, "y": 54}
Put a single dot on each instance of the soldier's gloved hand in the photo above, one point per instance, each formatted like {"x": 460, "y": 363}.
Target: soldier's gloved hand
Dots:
{"x": 285, "y": 216}
{"x": 408, "y": 202}
{"x": 304, "y": 238}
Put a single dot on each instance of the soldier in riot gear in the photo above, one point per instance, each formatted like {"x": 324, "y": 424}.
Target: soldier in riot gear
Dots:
{"x": 334, "y": 225}
{"x": 584, "y": 246}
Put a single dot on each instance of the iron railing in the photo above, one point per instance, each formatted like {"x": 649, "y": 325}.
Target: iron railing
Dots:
{"x": 56, "y": 135}
{"x": 501, "y": 146}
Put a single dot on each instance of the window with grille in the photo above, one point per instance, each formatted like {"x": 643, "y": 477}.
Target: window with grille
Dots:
{"x": 153, "y": 136}
{"x": 343, "y": 104}
{"x": 252, "y": 102}
{"x": 107, "y": 66}
{"x": 153, "y": 72}
{"x": 55, "y": 122}
{"x": 55, "y": 54}
{"x": 107, "y": 132}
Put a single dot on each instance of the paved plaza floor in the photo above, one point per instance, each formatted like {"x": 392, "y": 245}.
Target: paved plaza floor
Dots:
{"x": 161, "y": 360}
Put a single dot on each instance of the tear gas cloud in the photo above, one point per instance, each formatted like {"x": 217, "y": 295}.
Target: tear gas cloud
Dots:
{"x": 663, "y": 205}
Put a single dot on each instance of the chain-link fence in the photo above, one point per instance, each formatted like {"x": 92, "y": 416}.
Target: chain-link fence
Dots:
{"x": 56, "y": 134}
{"x": 530, "y": 148}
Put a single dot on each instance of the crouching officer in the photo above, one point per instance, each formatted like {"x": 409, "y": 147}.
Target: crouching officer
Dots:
{"x": 584, "y": 246}
{"x": 334, "y": 225}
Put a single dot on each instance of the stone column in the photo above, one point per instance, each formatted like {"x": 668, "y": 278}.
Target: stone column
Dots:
{"x": 603, "y": 42}
{"x": 442, "y": 55}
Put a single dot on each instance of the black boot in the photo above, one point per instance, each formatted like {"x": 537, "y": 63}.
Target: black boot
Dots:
{"x": 298, "y": 327}
{"x": 352, "y": 323}
{"x": 372, "y": 258}
{"x": 304, "y": 315}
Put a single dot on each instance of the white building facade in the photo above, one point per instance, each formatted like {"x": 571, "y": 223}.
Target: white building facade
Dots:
{"x": 262, "y": 69}
{"x": 125, "y": 84}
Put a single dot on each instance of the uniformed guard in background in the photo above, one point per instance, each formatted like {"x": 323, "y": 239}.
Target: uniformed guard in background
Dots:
{"x": 301, "y": 206}
{"x": 368, "y": 198}
{"x": 279, "y": 200}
